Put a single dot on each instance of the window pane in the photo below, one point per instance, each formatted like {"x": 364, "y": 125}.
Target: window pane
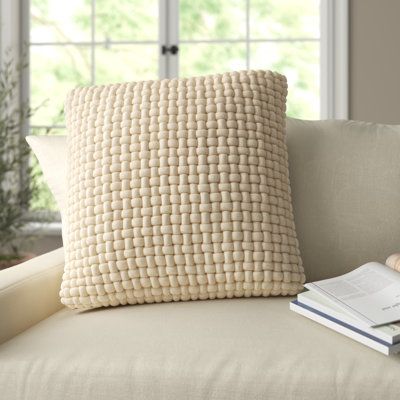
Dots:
{"x": 283, "y": 19}
{"x": 48, "y": 130}
{"x": 55, "y": 21}
{"x": 299, "y": 62}
{"x": 126, "y": 20}
{"x": 212, "y": 19}
{"x": 126, "y": 63}
{"x": 55, "y": 70}
{"x": 201, "y": 59}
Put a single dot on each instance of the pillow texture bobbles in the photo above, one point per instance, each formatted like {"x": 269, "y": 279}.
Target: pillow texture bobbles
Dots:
{"x": 179, "y": 190}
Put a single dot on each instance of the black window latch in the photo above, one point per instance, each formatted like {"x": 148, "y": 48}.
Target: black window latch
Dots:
{"x": 169, "y": 49}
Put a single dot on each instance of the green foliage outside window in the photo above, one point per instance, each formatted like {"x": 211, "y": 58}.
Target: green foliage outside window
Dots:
{"x": 16, "y": 189}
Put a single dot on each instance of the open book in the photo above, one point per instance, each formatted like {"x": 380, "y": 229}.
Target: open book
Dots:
{"x": 370, "y": 293}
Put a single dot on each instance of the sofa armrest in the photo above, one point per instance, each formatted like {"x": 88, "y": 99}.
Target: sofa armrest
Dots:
{"x": 29, "y": 293}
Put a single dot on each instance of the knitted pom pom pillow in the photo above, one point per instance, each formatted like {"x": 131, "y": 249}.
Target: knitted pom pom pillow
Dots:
{"x": 179, "y": 190}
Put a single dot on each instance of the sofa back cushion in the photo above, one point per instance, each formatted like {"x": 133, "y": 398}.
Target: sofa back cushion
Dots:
{"x": 345, "y": 180}
{"x": 179, "y": 190}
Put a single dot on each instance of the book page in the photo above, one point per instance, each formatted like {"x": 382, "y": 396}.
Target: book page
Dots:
{"x": 370, "y": 293}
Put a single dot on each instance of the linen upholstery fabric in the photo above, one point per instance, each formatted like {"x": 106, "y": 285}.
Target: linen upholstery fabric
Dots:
{"x": 29, "y": 293}
{"x": 179, "y": 190}
{"x": 226, "y": 349}
{"x": 345, "y": 181}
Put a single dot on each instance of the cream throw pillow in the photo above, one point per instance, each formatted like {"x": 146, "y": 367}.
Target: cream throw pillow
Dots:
{"x": 51, "y": 152}
{"x": 179, "y": 190}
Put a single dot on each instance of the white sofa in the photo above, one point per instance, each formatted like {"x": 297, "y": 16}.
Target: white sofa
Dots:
{"x": 345, "y": 180}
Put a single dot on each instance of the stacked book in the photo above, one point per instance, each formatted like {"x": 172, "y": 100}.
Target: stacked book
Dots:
{"x": 363, "y": 305}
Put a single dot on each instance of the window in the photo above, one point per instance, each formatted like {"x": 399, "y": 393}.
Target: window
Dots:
{"x": 84, "y": 42}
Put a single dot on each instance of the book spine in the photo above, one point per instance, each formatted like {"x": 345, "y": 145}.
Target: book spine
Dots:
{"x": 348, "y": 321}
{"x": 340, "y": 329}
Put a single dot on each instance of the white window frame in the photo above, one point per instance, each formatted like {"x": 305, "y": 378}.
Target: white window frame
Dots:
{"x": 334, "y": 47}
{"x": 14, "y": 25}
{"x": 334, "y": 85}
{"x": 334, "y": 64}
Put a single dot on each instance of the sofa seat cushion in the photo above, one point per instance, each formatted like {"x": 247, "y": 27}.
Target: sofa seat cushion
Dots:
{"x": 225, "y": 349}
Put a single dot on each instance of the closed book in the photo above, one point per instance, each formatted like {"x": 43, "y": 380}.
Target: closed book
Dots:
{"x": 345, "y": 329}
{"x": 389, "y": 333}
